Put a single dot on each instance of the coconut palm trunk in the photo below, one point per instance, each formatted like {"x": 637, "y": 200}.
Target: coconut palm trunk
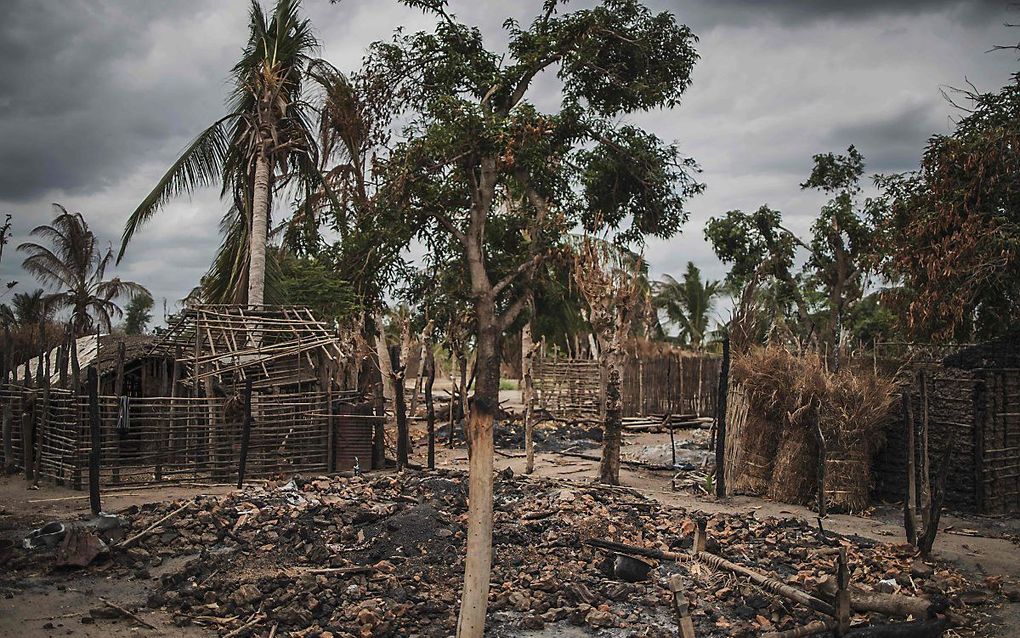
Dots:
{"x": 259, "y": 227}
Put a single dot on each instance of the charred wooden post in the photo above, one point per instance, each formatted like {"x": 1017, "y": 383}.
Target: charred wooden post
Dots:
{"x": 822, "y": 452}
{"x": 245, "y": 434}
{"x": 700, "y": 535}
{"x": 910, "y": 500}
{"x": 399, "y": 369}
{"x": 927, "y": 541}
{"x": 379, "y": 434}
{"x": 609, "y": 465}
{"x": 842, "y": 593}
{"x": 43, "y": 420}
{"x": 62, "y": 353}
{"x": 684, "y": 623}
{"x": 922, "y": 382}
{"x": 430, "y": 408}
{"x": 720, "y": 433}
{"x": 95, "y": 437}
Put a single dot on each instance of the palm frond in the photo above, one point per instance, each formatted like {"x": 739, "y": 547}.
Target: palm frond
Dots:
{"x": 199, "y": 165}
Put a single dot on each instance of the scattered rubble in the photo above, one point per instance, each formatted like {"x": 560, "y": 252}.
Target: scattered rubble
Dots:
{"x": 383, "y": 556}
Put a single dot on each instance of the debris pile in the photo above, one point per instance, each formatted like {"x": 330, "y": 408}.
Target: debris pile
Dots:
{"x": 383, "y": 556}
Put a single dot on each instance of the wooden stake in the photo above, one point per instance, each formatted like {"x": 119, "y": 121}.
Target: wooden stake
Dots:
{"x": 910, "y": 502}
{"x": 8, "y": 437}
{"x": 96, "y": 439}
{"x": 684, "y": 624}
{"x": 842, "y": 593}
{"x": 478, "y": 562}
{"x": 246, "y": 433}
{"x": 938, "y": 494}
{"x": 922, "y": 379}
{"x": 27, "y": 433}
{"x": 720, "y": 442}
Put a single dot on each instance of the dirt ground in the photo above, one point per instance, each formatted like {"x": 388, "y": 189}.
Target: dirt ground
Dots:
{"x": 982, "y": 547}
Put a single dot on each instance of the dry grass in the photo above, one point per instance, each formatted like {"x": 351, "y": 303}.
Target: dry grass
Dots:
{"x": 794, "y": 399}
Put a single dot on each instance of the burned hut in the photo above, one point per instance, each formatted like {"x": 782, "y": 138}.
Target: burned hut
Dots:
{"x": 964, "y": 406}
{"x": 178, "y": 407}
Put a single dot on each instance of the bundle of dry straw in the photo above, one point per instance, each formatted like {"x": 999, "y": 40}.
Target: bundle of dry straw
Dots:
{"x": 795, "y": 407}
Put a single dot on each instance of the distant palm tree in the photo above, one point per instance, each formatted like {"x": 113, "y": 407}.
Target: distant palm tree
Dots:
{"x": 265, "y": 142}
{"x": 76, "y": 266}
{"x": 687, "y": 304}
{"x": 26, "y": 309}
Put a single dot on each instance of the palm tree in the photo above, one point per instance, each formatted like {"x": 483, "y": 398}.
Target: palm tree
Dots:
{"x": 26, "y": 309}
{"x": 77, "y": 267}
{"x": 687, "y": 304}
{"x": 265, "y": 142}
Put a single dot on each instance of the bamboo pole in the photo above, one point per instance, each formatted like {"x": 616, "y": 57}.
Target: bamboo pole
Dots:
{"x": 245, "y": 433}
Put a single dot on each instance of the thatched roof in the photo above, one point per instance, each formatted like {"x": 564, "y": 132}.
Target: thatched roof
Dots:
{"x": 104, "y": 357}
{"x": 1003, "y": 352}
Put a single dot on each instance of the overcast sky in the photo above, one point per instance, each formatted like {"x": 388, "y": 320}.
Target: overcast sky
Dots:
{"x": 99, "y": 96}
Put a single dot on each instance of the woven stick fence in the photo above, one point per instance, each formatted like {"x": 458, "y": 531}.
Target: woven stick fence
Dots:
{"x": 162, "y": 439}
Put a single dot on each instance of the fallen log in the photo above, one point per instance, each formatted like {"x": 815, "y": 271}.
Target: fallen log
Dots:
{"x": 916, "y": 629}
{"x": 810, "y": 629}
{"x": 637, "y": 464}
{"x": 766, "y": 583}
{"x": 889, "y": 604}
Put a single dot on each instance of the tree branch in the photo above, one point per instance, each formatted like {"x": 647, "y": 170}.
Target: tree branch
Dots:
{"x": 448, "y": 224}
{"x": 512, "y": 311}
{"x": 527, "y": 266}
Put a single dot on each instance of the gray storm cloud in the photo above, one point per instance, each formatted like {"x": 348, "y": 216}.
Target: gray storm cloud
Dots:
{"x": 99, "y": 96}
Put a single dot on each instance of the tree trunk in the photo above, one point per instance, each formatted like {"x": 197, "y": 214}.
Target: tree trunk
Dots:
{"x": 609, "y": 465}
{"x": 430, "y": 410}
{"x": 400, "y": 412}
{"x": 527, "y": 356}
{"x": 478, "y": 562}
{"x": 259, "y": 229}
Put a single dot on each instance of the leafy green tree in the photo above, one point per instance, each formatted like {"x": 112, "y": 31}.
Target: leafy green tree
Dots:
{"x": 840, "y": 251}
{"x": 76, "y": 266}
{"x": 306, "y": 281}
{"x": 138, "y": 314}
{"x": 265, "y": 143}
{"x": 688, "y": 304}
{"x": 951, "y": 230}
{"x": 476, "y": 154}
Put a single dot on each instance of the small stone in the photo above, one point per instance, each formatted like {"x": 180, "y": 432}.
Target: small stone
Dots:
{"x": 920, "y": 569}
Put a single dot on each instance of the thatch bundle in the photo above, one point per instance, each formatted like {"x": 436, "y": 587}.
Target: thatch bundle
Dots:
{"x": 798, "y": 404}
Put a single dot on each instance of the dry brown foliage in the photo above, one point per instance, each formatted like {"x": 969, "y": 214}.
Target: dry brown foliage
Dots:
{"x": 792, "y": 399}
